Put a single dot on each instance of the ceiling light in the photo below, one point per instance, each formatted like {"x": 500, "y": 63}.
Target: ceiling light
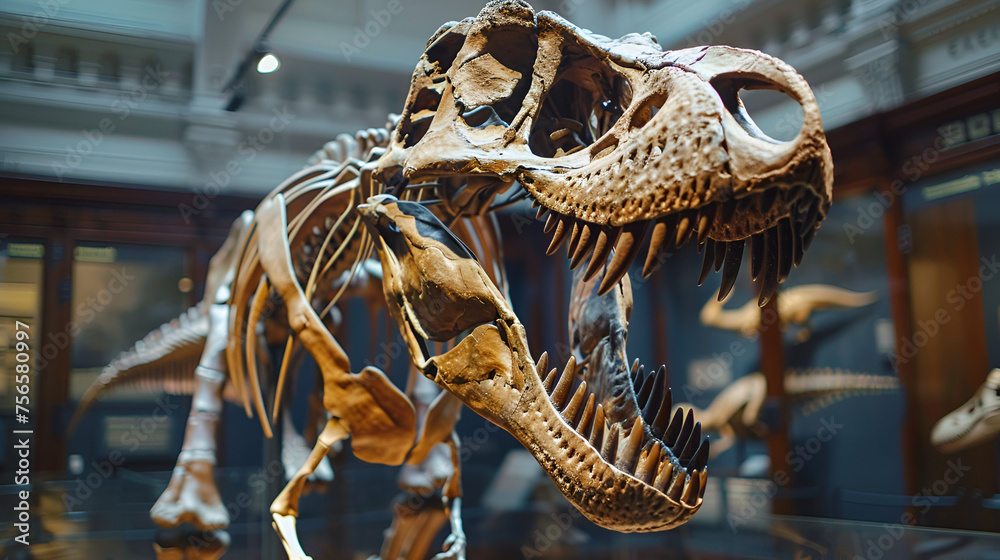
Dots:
{"x": 268, "y": 63}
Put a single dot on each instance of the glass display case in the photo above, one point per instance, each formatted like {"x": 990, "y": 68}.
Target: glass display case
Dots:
{"x": 855, "y": 415}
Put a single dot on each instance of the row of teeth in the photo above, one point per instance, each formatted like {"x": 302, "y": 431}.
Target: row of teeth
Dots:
{"x": 647, "y": 450}
{"x": 773, "y": 251}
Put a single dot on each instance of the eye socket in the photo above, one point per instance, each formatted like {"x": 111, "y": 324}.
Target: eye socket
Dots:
{"x": 391, "y": 225}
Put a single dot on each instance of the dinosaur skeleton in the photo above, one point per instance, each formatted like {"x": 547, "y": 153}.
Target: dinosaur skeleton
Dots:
{"x": 795, "y": 306}
{"x": 735, "y": 413}
{"x": 611, "y": 139}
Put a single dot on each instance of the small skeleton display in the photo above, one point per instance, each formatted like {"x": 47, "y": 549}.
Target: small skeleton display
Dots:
{"x": 612, "y": 140}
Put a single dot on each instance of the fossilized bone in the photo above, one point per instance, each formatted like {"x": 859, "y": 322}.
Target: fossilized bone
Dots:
{"x": 652, "y": 485}
{"x": 975, "y": 422}
{"x": 612, "y": 139}
{"x": 735, "y": 413}
{"x": 795, "y": 306}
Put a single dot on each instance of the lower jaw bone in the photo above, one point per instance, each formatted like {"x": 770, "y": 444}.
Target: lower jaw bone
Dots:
{"x": 492, "y": 372}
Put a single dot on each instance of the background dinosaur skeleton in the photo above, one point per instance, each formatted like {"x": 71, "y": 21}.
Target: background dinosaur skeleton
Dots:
{"x": 613, "y": 139}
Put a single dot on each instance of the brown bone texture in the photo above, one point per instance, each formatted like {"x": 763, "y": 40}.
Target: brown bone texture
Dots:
{"x": 627, "y": 151}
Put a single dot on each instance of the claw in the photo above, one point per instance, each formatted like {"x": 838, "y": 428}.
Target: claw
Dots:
{"x": 454, "y": 548}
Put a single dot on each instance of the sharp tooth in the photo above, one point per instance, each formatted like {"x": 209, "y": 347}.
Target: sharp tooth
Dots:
{"x": 734, "y": 257}
{"x": 757, "y": 243}
{"x": 629, "y": 455}
{"x": 648, "y": 463}
{"x": 551, "y": 222}
{"x": 685, "y": 434}
{"x": 610, "y": 447}
{"x": 690, "y": 446}
{"x": 786, "y": 249}
{"x": 626, "y": 249}
{"x": 635, "y": 368}
{"x": 550, "y": 380}
{"x": 769, "y": 278}
{"x": 534, "y": 203}
{"x": 583, "y": 426}
{"x": 645, "y": 390}
{"x": 602, "y": 248}
{"x": 708, "y": 260}
{"x": 565, "y": 383}
{"x": 705, "y": 221}
{"x": 798, "y": 249}
{"x": 574, "y": 237}
{"x": 583, "y": 247}
{"x": 543, "y": 363}
{"x": 720, "y": 254}
{"x": 684, "y": 227}
{"x": 597, "y": 431}
{"x": 662, "y": 419}
{"x": 674, "y": 428}
{"x": 562, "y": 228}
{"x": 663, "y": 233}
{"x": 569, "y": 414}
{"x": 796, "y": 241}
{"x": 677, "y": 486}
{"x": 640, "y": 378}
{"x": 692, "y": 489}
{"x": 542, "y": 211}
{"x": 664, "y": 476}
{"x": 700, "y": 459}
{"x": 652, "y": 405}
{"x": 704, "y": 479}
{"x": 807, "y": 239}
{"x": 812, "y": 212}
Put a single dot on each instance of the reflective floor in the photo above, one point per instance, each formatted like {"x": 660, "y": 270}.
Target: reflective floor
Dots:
{"x": 108, "y": 520}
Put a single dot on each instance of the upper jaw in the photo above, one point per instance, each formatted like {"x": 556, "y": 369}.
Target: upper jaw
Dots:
{"x": 700, "y": 148}
{"x": 620, "y": 138}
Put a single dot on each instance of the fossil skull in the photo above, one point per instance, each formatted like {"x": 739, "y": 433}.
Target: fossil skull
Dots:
{"x": 613, "y": 138}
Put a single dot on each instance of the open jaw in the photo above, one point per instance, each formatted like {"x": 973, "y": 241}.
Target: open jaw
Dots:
{"x": 633, "y": 472}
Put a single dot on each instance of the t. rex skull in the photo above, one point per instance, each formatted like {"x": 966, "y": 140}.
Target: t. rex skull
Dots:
{"x": 611, "y": 137}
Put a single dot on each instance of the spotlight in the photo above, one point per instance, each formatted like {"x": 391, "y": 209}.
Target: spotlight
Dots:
{"x": 268, "y": 63}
